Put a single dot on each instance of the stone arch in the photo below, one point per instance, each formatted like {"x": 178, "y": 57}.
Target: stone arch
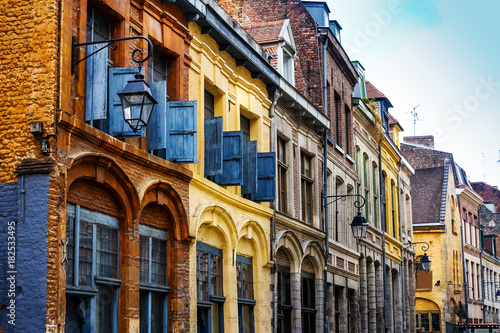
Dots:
{"x": 165, "y": 195}
{"x": 288, "y": 240}
{"x": 252, "y": 230}
{"x": 314, "y": 250}
{"x": 217, "y": 217}
{"x": 105, "y": 171}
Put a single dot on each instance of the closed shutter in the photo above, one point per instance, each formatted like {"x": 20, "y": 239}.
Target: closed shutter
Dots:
{"x": 213, "y": 146}
{"x": 249, "y": 167}
{"x": 96, "y": 83}
{"x": 232, "y": 162}
{"x": 266, "y": 173}
{"x": 157, "y": 127}
{"x": 118, "y": 78}
{"x": 182, "y": 135}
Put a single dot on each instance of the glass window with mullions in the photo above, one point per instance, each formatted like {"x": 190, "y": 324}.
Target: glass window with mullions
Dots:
{"x": 246, "y": 302}
{"x": 92, "y": 270}
{"x": 153, "y": 281}
{"x": 209, "y": 280}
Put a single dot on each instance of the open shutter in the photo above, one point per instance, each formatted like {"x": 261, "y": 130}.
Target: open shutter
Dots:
{"x": 213, "y": 146}
{"x": 232, "y": 162}
{"x": 118, "y": 78}
{"x": 266, "y": 173}
{"x": 182, "y": 136}
{"x": 249, "y": 167}
{"x": 96, "y": 83}
{"x": 157, "y": 127}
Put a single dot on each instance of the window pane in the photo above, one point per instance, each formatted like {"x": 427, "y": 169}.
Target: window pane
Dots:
{"x": 424, "y": 317}
{"x": 144, "y": 259}
{"x": 435, "y": 321}
{"x": 216, "y": 275}
{"x": 209, "y": 105}
{"x": 157, "y": 304}
{"x": 104, "y": 309}
{"x": 70, "y": 249}
{"x": 202, "y": 276}
{"x": 159, "y": 261}
{"x": 157, "y": 67}
{"x": 107, "y": 251}
{"x": 245, "y": 280}
{"x": 245, "y": 127}
{"x": 85, "y": 258}
{"x": 143, "y": 310}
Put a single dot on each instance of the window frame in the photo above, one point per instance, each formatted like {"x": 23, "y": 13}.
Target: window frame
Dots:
{"x": 74, "y": 289}
{"x": 308, "y": 298}
{"x": 282, "y": 176}
{"x": 213, "y": 299}
{"x": 150, "y": 288}
{"x": 307, "y": 183}
{"x": 284, "y": 309}
{"x": 245, "y": 303}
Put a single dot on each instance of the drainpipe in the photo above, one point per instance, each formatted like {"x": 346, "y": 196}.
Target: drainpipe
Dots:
{"x": 275, "y": 93}
{"x": 482, "y": 271}
{"x": 403, "y": 295}
{"x": 465, "y": 278}
{"x": 384, "y": 217}
{"x": 325, "y": 193}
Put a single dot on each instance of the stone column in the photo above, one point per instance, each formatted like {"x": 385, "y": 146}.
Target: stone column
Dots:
{"x": 411, "y": 298}
{"x": 389, "y": 308}
{"x": 331, "y": 307}
{"x": 372, "y": 298}
{"x": 295, "y": 282}
{"x": 320, "y": 299}
{"x": 397, "y": 301}
{"x": 363, "y": 296}
{"x": 355, "y": 324}
{"x": 342, "y": 293}
{"x": 379, "y": 284}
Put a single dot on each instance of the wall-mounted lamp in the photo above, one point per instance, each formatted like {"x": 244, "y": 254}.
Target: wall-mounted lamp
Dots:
{"x": 136, "y": 99}
{"x": 359, "y": 225}
{"x": 425, "y": 262}
{"x": 36, "y": 128}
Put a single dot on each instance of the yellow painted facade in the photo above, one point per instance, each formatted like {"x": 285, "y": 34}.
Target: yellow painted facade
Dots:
{"x": 445, "y": 253}
{"x": 219, "y": 216}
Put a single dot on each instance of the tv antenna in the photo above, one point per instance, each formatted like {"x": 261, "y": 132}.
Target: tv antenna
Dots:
{"x": 415, "y": 118}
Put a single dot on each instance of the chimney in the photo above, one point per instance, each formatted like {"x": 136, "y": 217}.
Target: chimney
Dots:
{"x": 427, "y": 141}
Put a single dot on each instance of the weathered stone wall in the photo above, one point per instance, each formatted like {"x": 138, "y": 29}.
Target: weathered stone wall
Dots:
{"x": 28, "y": 76}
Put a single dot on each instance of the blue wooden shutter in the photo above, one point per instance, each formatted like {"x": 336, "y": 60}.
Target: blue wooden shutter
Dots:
{"x": 182, "y": 136}
{"x": 232, "y": 161}
{"x": 266, "y": 173}
{"x": 213, "y": 146}
{"x": 157, "y": 127}
{"x": 96, "y": 83}
{"x": 249, "y": 167}
{"x": 118, "y": 78}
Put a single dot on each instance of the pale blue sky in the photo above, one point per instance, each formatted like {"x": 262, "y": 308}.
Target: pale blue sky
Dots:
{"x": 441, "y": 55}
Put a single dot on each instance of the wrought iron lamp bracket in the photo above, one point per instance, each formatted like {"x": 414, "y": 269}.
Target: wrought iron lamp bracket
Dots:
{"x": 113, "y": 44}
{"x": 425, "y": 246}
{"x": 359, "y": 203}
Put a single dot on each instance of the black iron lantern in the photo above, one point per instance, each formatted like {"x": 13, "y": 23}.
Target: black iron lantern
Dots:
{"x": 137, "y": 103}
{"x": 425, "y": 262}
{"x": 359, "y": 227}
{"x": 498, "y": 293}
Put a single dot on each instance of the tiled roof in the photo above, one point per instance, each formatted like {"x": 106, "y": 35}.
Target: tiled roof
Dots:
{"x": 265, "y": 32}
{"x": 427, "y": 192}
{"x": 373, "y": 92}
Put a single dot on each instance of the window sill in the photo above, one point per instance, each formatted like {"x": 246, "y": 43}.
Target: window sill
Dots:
{"x": 108, "y": 281}
{"x": 349, "y": 159}
{"x": 246, "y": 301}
{"x": 81, "y": 291}
{"x": 154, "y": 287}
{"x": 339, "y": 149}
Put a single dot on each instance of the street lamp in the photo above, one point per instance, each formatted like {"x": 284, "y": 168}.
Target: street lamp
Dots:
{"x": 136, "y": 99}
{"x": 425, "y": 262}
{"x": 359, "y": 225}
{"x": 137, "y": 103}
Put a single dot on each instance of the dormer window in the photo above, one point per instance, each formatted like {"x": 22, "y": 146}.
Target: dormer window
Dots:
{"x": 286, "y": 53}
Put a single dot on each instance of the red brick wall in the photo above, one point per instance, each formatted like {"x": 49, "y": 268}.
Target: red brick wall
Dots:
{"x": 488, "y": 193}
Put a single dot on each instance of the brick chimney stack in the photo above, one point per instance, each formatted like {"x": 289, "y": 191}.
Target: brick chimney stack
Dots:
{"x": 427, "y": 140}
